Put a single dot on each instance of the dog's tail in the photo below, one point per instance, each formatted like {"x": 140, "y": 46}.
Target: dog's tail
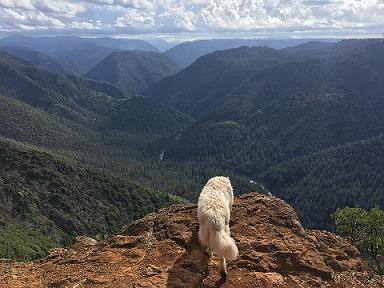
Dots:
{"x": 222, "y": 244}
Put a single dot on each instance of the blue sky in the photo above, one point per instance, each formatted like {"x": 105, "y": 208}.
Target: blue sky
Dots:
{"x": 191, "y": 19}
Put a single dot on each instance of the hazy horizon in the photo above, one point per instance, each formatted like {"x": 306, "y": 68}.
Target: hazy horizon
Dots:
{"x": 197, "y": 37}
{"x": 178, "y": 21}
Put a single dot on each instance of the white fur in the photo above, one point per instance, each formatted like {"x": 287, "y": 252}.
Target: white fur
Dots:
{"x": 213, "y": 213}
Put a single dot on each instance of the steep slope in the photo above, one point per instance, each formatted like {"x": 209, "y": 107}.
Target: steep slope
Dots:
{"x": 162, "y": 250}
{"x": 133, "y": 71}
{"x": 144, "y": 115}
{"x": 200, "y": 86}
{"x": 56, "y": 94}
{"x": 186, "y": 53}
{"x": 24, "y": 123}
{"x": 317, "y": 184}
{"x": 38, "y": 59}
{"x": 61, "y": 200}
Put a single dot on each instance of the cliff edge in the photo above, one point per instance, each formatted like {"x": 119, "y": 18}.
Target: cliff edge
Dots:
{"x": 162, "y": 250}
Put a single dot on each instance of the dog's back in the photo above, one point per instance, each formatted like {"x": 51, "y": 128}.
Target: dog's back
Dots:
{"x": 215, "y": 201}
{"x": 214, "y": 206}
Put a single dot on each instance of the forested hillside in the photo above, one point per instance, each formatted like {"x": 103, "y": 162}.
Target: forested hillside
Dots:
{"x": 199, "y": 87}
{"x": 344, "y": 176}
{"x": 39, "y": 59}
{"x": 55, "y": 200}
{"x": 96, "y": 124}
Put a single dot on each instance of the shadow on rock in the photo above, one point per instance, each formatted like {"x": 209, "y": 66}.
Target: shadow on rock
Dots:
{"x": 189, "y": 270}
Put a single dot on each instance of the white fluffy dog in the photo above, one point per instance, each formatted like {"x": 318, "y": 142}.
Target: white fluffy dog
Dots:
{"x": 213, "y": 213}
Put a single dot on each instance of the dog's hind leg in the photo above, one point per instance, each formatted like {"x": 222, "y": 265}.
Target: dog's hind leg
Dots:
{"x": 204, "y": 235}
{"x": 209, "y": 251}
{"x": 223, "y": 268}
{"x": 205, "y": 239}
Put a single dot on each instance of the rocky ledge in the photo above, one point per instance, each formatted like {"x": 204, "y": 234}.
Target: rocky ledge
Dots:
{"x": 162, "y": 250}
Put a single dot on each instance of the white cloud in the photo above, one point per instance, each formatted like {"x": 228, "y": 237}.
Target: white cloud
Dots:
{"x": 86, "y": 25}
{"x": 27, "y": 20}
{"x": 137, "y": 4}
{"x": 136, "y": 18}
{"x": 59, "y": 8}
{"x": 17, "y": 4}
{"x": 192, "y": 16}
{"x": 179, "y": 16}
{"x": 105, "y": 2}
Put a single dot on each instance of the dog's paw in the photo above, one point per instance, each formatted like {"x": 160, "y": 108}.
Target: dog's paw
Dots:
{"x": 208, "y": 252}
{"x": 223, "y": 275}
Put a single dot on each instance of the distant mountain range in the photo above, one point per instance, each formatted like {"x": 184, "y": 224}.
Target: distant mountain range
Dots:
{"x": 39, "y": 59}
{"x": 55, "y": 46}
{"x": 186, "y": 53}
{"x": 133, "y": 71}
{"x": 77, "y": 61}
{"x": 200, "y": 86}
{"x": 74, "y": 55}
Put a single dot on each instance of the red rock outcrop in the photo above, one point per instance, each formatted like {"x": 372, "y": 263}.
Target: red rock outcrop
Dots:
{"x": 162, "y": 250}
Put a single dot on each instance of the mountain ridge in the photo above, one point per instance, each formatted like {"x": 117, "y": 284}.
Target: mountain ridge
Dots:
{"x": 133, "y": 71}
{"x": 55, "y": 46}
{"x": 38, "y": 59}
{"x": 187, "y": 52}
{"x": 195, "y": 89}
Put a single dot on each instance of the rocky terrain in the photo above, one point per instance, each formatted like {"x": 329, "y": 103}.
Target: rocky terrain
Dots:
{"x": 162, "y": 250}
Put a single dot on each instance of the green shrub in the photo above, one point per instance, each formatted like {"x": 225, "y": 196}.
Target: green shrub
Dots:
{"x": 365, "y": 229}
{"x": 22, "y": 243}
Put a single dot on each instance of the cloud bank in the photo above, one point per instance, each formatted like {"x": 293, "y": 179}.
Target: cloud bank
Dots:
{"x": 189, "y": 17}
